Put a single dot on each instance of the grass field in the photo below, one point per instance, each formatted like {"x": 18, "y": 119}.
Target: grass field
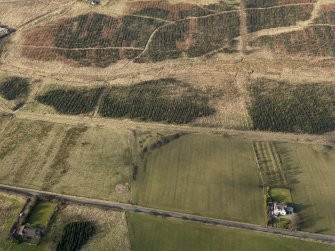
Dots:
{"x": 41, "y": 214}
{"x": 81, "y": 161}
{"x": 313, "y": 190}
{"x": 154, "y": 233}
{"x": 99, "y": 165}
{"x": 206, "y": 175}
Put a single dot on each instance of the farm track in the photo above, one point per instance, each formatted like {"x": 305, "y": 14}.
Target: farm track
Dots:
{"x": 137, "y": 125}
{"x": 173, "y": 214}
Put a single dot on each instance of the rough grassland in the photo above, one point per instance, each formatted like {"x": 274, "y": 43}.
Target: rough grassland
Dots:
{"x": 10, "y": 206}
{"x": 206, "y": 175}
{"x": 41, "y": 214}
{"x": 313, "y": 191}
{"x": 79, "y": 161}
{"x": 111, "y": 232}
{"x": 153, "y": 233}
{"x": 99, "y": 162}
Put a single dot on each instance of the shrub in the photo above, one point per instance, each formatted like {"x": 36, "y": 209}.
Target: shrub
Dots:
{"x": 282, "y": 223}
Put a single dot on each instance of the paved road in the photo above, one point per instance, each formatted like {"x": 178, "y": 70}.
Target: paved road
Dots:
{"x": 165, "y": 213}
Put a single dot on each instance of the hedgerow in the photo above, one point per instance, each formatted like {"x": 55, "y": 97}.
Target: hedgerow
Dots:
{"x": 280, "y": 106}
{"x": 12, "y": 88}
{"x": 75, "y": 235}
{"x": 72, "y": 101}
{"x": 156, "y": 101}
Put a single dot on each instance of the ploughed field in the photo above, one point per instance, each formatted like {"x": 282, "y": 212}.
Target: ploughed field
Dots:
{"x": 149, "y": 233}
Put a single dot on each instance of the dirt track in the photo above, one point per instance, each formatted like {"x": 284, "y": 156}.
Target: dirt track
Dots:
{"x": 145, "y": 126}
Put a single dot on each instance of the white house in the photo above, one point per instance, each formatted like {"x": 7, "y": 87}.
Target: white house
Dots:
{"x": 279, "y": 209}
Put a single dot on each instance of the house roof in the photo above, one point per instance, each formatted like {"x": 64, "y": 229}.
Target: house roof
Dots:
{"x": 29, "y": 231}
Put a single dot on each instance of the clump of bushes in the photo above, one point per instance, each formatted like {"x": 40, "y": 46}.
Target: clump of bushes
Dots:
{"x": 75, "y": 235}
{"x": 71, "y": 101}
{"x": 12, "y": 88}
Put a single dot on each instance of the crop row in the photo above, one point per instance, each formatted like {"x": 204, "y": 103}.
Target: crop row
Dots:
{"x": 307, "y": 108}
{"x": 75, "y": 234}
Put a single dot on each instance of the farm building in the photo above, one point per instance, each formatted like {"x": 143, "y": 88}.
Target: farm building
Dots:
{"x": 29, "y": 232}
